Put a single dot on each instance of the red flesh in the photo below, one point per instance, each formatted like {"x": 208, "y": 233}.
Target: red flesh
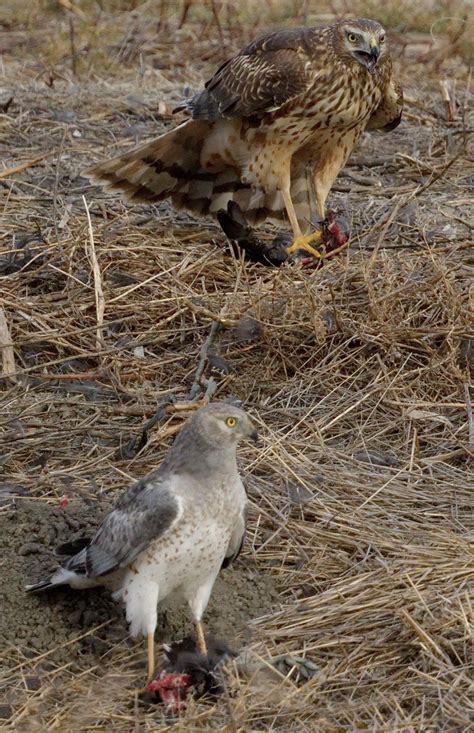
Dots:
{"x": 170, "y": 686}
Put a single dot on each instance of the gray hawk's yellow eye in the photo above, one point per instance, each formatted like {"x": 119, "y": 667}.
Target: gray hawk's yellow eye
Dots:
{"x": 231, "y": 422}
{"x": 352, "y": 38}
{"x": 382, "y": 39}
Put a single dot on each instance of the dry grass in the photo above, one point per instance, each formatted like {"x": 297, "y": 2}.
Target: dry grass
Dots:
{"x": 360, "y": 375}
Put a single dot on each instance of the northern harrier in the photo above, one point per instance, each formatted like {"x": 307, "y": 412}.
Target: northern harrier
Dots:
{"x": 271, "y": 129}
{"x": 171, "y": 532}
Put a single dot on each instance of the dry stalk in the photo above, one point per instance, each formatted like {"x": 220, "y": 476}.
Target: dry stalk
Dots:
{"x": 447, "y": 99}
{"x": 8, "y": 172}
{"x": 6, "y": 346}
{"x": 98, "y": 291}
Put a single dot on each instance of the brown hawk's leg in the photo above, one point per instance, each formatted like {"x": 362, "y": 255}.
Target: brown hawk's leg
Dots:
{"x": 324, "y": 174}
{"x": 300, "y": 241}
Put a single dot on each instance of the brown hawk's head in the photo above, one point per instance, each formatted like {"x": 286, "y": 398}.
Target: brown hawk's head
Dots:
{"x": 360, "y": 40}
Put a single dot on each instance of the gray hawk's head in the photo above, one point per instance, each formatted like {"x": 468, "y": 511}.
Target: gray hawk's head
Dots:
{"x": 222, "y": 423}
{"x": 360, "y": 40}
{"x": 208, "y": 440}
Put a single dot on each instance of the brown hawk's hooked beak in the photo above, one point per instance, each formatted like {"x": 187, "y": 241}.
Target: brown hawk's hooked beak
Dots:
{"x": 370, "y": 57}
{"x": 374, "y": 48}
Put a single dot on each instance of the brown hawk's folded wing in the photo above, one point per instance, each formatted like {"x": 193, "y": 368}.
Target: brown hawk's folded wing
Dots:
{"x": 262, "y": 77}
{"x": 388, "y": 114}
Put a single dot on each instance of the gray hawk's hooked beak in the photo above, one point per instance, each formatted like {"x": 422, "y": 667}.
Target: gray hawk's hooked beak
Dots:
{"x": 254, "y": 436}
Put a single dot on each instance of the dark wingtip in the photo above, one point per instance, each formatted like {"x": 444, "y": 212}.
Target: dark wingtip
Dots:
{"x": 72, "y": 547}
{"x": 231, "y": 226}
{"x": 38, "y": 587}
{"x": 393, "y": 124}
{"x": 244, "y": 238}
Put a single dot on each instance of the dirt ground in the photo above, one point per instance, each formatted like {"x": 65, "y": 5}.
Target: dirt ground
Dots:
{"x": 31, "y": 533}
{"x": 359, "y": 552}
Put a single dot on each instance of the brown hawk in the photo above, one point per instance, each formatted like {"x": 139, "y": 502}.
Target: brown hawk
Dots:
{"x": 271, "y": 129}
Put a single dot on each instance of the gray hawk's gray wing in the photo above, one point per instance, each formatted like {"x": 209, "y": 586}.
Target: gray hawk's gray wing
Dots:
{"x": 262, "y": 77}
{"x": 143, "y": 514}
{"x": 236, "y": 540}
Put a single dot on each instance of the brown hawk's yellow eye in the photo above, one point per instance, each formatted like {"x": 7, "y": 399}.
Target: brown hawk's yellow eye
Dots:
{"x": 352, "y": 38}
{"x": 231, "y": 422}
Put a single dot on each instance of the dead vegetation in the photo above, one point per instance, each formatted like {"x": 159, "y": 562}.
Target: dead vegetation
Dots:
{"x": 360, "y": 373}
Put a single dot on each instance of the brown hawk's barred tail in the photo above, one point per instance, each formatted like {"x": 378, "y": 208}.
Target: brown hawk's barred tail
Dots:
{"x": 166, "y": 167}
{"x": 171, "y": 166}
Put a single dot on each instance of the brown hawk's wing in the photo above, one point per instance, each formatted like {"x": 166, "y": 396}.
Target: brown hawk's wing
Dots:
{"x": 388, "y": 114}
{"x": 262, "y": 77}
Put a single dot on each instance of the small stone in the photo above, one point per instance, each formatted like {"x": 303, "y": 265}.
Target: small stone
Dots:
{"x": 32, "y": 683}
{"x": 30, "y": 548}
{"x": 376, "y": 458}
{"x": 6, "y": 711}
{"x": 248, "y": 329}
{"x": 298, "y": 494}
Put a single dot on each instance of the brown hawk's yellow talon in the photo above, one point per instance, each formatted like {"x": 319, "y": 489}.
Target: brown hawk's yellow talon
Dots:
{"x": 276, "y": 122}
{"x": 304, "y": 242}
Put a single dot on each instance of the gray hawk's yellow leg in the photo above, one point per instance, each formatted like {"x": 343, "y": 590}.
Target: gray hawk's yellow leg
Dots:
{"x": 200, "y": 639}
{"x": 150, "y": 639}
